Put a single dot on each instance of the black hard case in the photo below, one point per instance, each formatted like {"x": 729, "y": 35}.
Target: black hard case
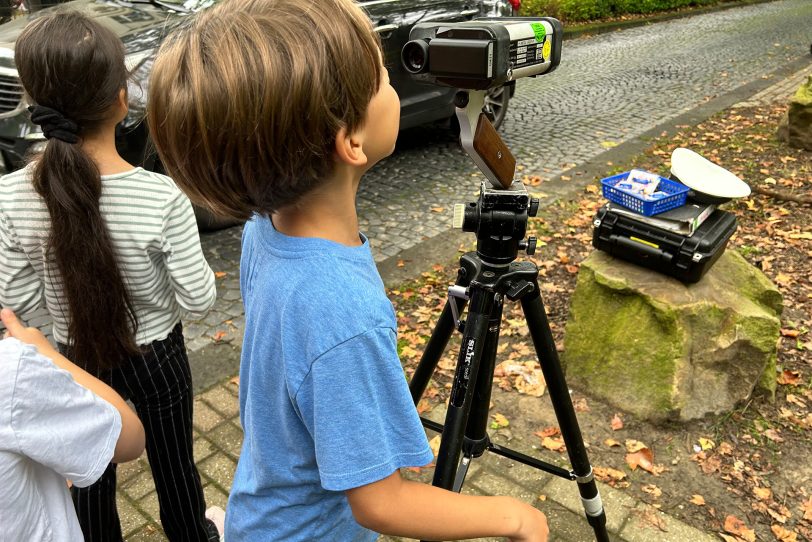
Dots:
{"x": 684, "y": 258}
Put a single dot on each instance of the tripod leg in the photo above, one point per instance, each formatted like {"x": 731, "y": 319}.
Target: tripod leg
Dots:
{"x": 476, "y": 432}
{"x": 441, "y": 334}
{"x": 431, "y": 355}
{"x": 462, "y": 391}
{"x": 476, "y": 439}
{"x": 544, "y": 344}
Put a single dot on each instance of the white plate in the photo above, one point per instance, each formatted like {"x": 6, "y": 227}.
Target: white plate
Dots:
{"x": 702, "y": 175}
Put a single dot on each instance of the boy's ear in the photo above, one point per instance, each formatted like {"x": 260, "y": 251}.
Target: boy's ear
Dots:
{"x": 349, "y": 148}
{"x": 122, "y": 98}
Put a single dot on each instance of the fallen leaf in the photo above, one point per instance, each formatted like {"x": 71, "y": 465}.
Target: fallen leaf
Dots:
{"x": 652, "y": 517}
{"x": 611, "y": 442}
{"x": 652, "y": 490}
{"x": 401, "y": 263}
{"x": 437, "y": 209}
{"x": 499, "y": 421}
{"x": 218, "y": 336}
{"x": 783, "y": 534}
{"x": 706, "y": 444}
{"x": 581, "y": 405}
{"x": 735, "y": 526}
{"x": 773, "y": 435}
{"x": 234, "y": 380}
{"x": 698, "y": 500}
{"x": 220, "y": 274}
{"x": 617, "y": 423}
{"x": 634, "y": 446}
{"x": 607, "y": 474}
{"x": 548, "y": 432}
{"x": 806, "y": 507}
{"x": 434, "y": 444}
{"x": 554, "y": 444}
{"x": 424, "y": 406}
{"x": 790, "y": 378}
{"x": 762, "y": 493}
{"x": 645, "y": 460}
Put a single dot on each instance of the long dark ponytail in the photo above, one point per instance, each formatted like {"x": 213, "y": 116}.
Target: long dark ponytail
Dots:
{"x": 73, "y": 69}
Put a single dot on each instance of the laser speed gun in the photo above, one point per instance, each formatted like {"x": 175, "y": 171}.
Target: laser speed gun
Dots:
{"x": 483, "y": 53}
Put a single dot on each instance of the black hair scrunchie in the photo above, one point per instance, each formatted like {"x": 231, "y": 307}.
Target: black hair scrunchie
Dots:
{"x": 54, "y": 124}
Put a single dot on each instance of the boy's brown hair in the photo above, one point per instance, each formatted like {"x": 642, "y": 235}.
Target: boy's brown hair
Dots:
{"x": 245, "y": 101}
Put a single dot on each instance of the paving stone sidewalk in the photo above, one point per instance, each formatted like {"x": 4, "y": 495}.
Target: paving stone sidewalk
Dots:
{"x": 218, "y": 438}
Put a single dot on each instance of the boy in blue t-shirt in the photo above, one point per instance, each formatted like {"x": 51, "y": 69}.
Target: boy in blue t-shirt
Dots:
{"x": 274, "y": 109}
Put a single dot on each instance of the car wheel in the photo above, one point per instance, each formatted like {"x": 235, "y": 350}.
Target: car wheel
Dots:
{"x": 496, "y": 105}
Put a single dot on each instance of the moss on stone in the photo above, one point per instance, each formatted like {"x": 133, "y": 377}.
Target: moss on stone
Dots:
{"x": 661, "y": 349}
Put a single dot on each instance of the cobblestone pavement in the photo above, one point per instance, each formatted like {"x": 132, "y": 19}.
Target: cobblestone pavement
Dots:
{"x": 218, "y": 437}
{"x": 609, "y": 88}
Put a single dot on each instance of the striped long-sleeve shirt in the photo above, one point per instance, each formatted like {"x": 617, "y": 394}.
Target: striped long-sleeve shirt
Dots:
{"x": 155, "y": 241}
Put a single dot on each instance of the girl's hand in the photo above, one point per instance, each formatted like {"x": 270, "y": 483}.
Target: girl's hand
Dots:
{"x": 533, "y": 526}
{"x": 30, "y": 335}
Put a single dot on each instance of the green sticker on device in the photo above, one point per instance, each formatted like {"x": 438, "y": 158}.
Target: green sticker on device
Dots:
{"x": 539, "y": 30}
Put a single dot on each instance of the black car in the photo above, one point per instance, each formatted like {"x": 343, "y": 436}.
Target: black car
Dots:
{"x": 143, "y": 24}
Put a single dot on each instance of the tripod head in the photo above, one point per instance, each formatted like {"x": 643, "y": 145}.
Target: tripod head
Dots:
{"x": 499, "y": 219}
{"x": 499, "y": 216}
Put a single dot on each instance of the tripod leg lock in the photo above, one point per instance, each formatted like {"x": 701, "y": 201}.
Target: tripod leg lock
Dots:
{"x": 594, "y": 506}
{"x": 584, "y": 479}
{"x": 458, "y": 292}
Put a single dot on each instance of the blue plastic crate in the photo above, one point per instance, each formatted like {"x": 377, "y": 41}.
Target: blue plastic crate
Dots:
{"x": 677, "y": 194}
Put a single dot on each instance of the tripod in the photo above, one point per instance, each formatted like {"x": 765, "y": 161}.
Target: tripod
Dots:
{"x": 485, "y": 278}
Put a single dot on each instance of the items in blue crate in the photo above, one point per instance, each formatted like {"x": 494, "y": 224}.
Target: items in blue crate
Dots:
{"x": 644, "y": 192}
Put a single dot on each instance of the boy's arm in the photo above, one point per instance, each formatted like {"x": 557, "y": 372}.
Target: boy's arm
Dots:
{"x": 130, "y": 443}
{"x": 403, "y": 508}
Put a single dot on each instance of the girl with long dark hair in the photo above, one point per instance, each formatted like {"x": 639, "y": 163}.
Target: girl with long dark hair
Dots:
{"x": 114, "y": 253}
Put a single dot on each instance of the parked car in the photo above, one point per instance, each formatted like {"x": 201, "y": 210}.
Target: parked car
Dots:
{"x": 143, "y": 24}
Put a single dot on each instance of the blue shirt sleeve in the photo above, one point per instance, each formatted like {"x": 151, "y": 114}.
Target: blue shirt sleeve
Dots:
{"x": 356, "y": 405}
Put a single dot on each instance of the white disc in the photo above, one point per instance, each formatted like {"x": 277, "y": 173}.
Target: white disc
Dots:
{"x": 702, "y": 175}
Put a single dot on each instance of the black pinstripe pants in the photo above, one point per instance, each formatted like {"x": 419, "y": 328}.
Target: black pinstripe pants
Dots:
{"x": 159, "y": 384}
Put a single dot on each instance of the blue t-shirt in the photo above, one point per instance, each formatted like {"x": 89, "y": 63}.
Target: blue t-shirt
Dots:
{"x": 323, "y": 399}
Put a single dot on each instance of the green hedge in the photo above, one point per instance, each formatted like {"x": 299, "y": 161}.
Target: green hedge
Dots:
{"x": 590, "y": 10}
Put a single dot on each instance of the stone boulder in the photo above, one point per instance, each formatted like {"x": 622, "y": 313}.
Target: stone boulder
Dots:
{"x": 663, "y": 350}
{"x": 796, "y": 126}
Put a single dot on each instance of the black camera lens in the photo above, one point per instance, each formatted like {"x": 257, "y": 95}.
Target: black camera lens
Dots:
{"x": 415, "y": 56}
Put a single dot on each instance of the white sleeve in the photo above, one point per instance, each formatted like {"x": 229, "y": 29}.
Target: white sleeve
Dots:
{"x": 191, "y": 275}
{"x": 60, "y": 424}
